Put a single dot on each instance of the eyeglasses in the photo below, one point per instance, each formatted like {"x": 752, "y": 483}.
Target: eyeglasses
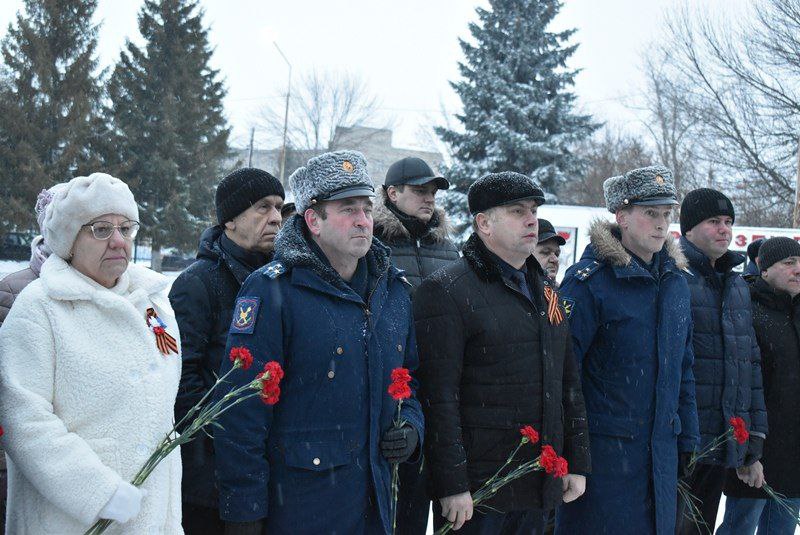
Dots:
{"x": 102, "y": 230}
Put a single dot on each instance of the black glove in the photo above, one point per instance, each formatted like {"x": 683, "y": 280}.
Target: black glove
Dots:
{"x": 244, "y": 528}
{"x": 685, "y": 466}
{"x": 397, "y": 445}
{"x": 755, "y": 448}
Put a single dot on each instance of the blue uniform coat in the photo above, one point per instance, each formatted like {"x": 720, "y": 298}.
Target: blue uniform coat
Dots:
{"x": 311, "y": 463}
{"x": 632, "y": 338}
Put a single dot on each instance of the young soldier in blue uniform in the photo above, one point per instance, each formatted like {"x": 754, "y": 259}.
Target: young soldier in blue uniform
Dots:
{"x": 337, "y": 316}
{"x": 630, "y": 316}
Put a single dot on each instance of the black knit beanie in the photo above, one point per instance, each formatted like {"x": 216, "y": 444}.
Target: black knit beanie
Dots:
{"x": 701, "y": 204}
{"x": 243, "y": 188}
{"x": 776, "y": 249}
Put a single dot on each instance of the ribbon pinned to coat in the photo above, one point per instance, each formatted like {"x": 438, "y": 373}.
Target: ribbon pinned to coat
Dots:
{"x": 166, "y": 342}
{"x": 554, "y": 313}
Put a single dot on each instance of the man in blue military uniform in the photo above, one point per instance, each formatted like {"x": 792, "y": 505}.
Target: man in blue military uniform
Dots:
{"x": 630, "y": 316}
{"x": 337, "y": 316}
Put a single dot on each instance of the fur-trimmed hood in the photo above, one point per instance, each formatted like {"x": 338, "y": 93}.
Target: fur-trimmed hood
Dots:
{"x": 292, "y": 249}
{"x": 391, "y": 228}
{"x": 608, "y": 248}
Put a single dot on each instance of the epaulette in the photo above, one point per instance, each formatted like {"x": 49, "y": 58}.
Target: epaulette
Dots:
{"x": 588, "y": 270}
{"x": 401, "y": 274}
{"x": 274, "y": 269}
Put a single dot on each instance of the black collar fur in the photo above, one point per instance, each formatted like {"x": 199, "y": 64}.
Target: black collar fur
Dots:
{"x": 293, "y": 250}
{"x": 479, "y": 257}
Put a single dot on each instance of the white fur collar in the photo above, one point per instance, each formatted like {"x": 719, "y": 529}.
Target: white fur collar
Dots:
{"x": 63, "y": 282}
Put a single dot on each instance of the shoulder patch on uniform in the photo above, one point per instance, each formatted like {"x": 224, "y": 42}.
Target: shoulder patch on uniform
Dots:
{"x": 274, "y": 269}
{"x": 588, "y": 270}
{"x": 244, "y": 315}
{"x": 567, "y": 303}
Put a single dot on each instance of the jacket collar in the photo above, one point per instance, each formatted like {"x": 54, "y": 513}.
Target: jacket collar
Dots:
{"x": 487, "y": 268}
{"x": 293, "y": 251}
{"x": 702, "y": 264}
{"x": 391, "y": 229}
{"x": 764, "y": 293}
{"x": 64, "y": 283}
{"x": 217, "y": 247}
{"x": 606, "y": 247}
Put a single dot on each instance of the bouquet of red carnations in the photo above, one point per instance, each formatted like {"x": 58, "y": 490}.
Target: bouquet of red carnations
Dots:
{"x": 266, "y": 385}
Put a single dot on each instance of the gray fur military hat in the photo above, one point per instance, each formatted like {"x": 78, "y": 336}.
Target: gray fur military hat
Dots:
{"x": 644, "y": 186}
{"x": 329, "y": 177}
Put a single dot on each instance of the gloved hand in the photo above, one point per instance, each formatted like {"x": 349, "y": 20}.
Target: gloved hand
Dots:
{"x": 684, "y": 461}
{"x": 124, "y": 504}
{"x": 755, "y": 448}
{"x": 397, "y": 445}
{"x": 255, "y": 527}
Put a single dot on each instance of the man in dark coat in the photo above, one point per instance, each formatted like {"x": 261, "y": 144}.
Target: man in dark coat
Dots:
{"x": 751, "y": 270}
{"x": 548, "y": 248}
{"x": 410, "y": 223}
{"x": 776, "y": 318}
{"x": 248, "y": 203}
{"x": 495, "y": 356}
{"x": 727, "y": 362}
{"x": 415, "y": 229}
{"x": 630, "y": 316}
{"x": 337, "y": 316}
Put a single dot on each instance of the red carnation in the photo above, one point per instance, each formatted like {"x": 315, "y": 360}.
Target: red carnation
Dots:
{"x": 562, "y": 468}
{"x": 530, "y": 434}
{"x": 158, "y": 330}
{"x": 2, "y": 431}
{"x": 270, "y": 382}
{"x": 739, "y": 430}
{"x": 399, "y": 388}
{"x": 243, "y": 355}
{"x": 548, "y": 459}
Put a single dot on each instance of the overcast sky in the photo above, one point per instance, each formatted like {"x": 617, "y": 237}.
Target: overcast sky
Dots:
{"x": 407, "y": 51}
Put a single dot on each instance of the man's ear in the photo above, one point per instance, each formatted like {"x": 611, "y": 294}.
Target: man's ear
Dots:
{"x": 391, "y": 192}
{"x": 230, "y": 225}
{"x": 312, "y": 220}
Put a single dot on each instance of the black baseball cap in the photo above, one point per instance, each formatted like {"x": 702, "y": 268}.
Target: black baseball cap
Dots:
{"x": 548, "y": 232}
{"x": 413, "y": 171}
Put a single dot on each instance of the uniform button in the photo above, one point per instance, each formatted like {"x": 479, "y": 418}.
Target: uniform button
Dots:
{"x": 339, "y": 350}
{"x": 331, "y": 374}
{"x": 547, "y": 395}
{"x": 399, "y": 347}
{"x": 316, "y": 460}
{"x": 541, "y": 313}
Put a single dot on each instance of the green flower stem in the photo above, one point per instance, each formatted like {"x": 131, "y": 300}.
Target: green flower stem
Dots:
{"x": 206, "y": 415}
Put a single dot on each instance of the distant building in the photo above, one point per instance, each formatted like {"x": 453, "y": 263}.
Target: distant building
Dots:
{"x": 374, "y": 143}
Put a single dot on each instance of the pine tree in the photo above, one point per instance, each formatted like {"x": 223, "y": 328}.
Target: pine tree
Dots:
{"x": 50, "y": 103}
{"x": 172, "y": 137}
{"x": 517, "y": 108}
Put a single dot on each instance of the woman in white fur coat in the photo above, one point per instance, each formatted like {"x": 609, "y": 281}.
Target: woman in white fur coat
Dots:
{"x": 86, "y": 393}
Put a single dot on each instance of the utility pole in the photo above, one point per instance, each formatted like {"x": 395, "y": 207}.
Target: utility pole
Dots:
{"x": 250, "y": 156}
{"x": 285, "y": 113}
{"x": 796, "y": 218}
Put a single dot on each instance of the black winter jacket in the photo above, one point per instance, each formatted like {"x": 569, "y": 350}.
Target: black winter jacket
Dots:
{"x": 418, "y": 257}
{"x": 727, "y": 361}
{"x": 490, "y": 363}
{"x": 203, "y": 297}
{"x": 776, "y": 318}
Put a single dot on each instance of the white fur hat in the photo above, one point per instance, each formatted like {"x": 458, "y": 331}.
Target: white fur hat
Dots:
{"x": 82, "y": 199}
